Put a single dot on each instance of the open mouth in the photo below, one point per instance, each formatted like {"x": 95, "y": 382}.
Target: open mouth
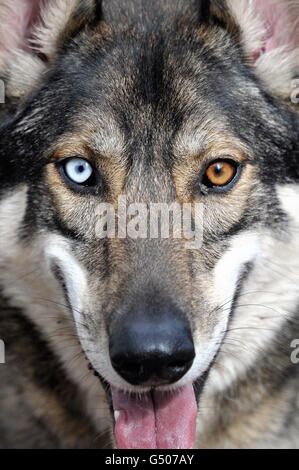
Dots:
{"x": 155, "y": 419}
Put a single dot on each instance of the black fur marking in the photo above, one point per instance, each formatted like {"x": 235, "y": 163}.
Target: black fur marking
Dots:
{"x": 204, "y": 11}
{"x": 58, "y": 274}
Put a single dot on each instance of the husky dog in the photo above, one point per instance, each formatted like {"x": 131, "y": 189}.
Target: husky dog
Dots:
{"x": 138, "y": 342}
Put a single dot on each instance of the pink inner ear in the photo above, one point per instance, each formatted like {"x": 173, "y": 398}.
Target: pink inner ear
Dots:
{"x": 20, "y": 15}
{"x": 278, "y": 21}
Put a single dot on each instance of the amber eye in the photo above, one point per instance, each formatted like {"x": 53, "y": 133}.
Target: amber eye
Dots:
{"x": 220, "y": 173}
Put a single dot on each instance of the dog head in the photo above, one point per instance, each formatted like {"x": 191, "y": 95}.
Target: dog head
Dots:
{"x": 119, "y": 121}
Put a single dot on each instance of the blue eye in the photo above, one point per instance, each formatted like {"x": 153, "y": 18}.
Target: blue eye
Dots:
{"x": 78, "y": 170}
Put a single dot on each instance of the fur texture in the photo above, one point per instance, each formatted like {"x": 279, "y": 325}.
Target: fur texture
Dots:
{"x": 150, "y": 97}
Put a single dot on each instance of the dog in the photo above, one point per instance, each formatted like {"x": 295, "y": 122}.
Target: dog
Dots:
{"x": 117, "y": 340}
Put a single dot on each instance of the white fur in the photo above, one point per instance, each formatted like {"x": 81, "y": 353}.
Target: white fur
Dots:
{"x": 12, "y": 211}
{"x": 57, "y": 250}
{"x": 23, "y": 72}
{"x": 55, "y": 17}
{"x": 28, "y": 283}
{"x": 252, "y": 27}
{"x": 268, "y": 298}
{"x": 277, "y": 67}
{"x": 243, "y": 249}
{"x": 18, "y": 60}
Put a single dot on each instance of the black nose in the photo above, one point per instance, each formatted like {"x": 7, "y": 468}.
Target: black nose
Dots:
{"x": 152, "y": 351}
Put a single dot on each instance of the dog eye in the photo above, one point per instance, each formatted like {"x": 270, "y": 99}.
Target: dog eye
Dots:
{"x": 78, "y": 170}
{"x": 220, "y": 173}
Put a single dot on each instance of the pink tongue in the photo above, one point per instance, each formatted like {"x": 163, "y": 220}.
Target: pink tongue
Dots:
{"x": 155, "y": 421}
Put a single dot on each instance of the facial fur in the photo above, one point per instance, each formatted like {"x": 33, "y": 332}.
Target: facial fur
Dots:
{"x": 150, "y": 101}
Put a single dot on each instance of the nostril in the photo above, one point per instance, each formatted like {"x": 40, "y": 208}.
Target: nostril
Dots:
{"x": 129, "y": 369}
{"x": 122, "y": 363}
{"x": 159, "y": 350}
{"x": 154, "y": 365}
{"x": 132, "y": 367}
{"x": 174, "y": 369}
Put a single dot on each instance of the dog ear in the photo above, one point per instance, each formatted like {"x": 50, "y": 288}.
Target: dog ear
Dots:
{"x": 270, "y": 36}
{"x": 269, "y": 33}
{"x": 31, "y": 34}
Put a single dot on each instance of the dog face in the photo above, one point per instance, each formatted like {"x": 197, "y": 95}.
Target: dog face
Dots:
{"x": 163, "y": 108}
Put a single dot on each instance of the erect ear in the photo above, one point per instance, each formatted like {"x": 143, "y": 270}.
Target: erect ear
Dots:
{"x": 31, "y": 33}
{"x": 269, "y": 33}
{"x": 270, "y": 36}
